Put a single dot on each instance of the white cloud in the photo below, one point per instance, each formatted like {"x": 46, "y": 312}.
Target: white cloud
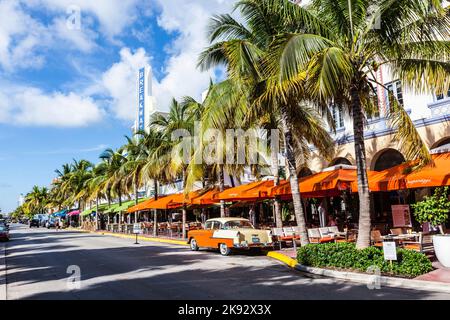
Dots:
{"x": 120, "y": 82}
{"x": 100, "y": 147}
{"x": 82, "y": 40}
{"x": 113, "y": 15}
{"x": 190, "y": 19}
{"x": 32, "y": 106}
{"x": 19, "y": 35}
{"x": 25, "y": 40}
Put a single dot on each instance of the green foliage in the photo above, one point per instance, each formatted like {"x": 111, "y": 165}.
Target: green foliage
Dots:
{"x": 285, "y": 213}
{"x": 346, "y": 256}
{"x": 433, "y": 209}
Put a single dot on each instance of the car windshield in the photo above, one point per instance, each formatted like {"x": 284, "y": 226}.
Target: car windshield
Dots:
{"x": 235, "y": 224}
{"x": 2, "y": 228}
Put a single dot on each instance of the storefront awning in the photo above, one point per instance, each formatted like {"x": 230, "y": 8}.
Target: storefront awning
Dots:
{"x": 204, "y": 198}
{"x": 322, "y": 184}
{"x": 61, "y": 213}
{"x": 145, "y": 205}
{"x": 74, "y": 213}
{"x": 401, "y": 177}
{"x": 101, "y": 207}
{"x": 246, "y": 192}
{"x": 168, "y": 202}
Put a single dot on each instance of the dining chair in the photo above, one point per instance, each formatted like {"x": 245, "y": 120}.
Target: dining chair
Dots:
{"x": 376, "y": 238}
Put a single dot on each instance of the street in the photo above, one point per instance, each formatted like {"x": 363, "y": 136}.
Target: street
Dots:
{"x": 38, "y": 261}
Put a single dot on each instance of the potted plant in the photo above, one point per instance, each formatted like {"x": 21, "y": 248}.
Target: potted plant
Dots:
{"x": 435, "y": 209}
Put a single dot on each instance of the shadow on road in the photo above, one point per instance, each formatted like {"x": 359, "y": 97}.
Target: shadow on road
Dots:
{"x": 112, "y": 269}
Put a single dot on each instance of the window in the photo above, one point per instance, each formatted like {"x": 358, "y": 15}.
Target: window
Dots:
{"x": 208, "y": 225}
{"x": 395, "y": 88}
{"x": 336, "y": 113}
{"x": 216, "y": 225}
{"x": 441, "y": 96}
{"x": 376, "y": 113}
{"x": 236, "y": 224}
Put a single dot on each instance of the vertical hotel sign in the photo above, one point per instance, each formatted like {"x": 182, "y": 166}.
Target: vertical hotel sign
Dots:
{"x": 141, "y": 117}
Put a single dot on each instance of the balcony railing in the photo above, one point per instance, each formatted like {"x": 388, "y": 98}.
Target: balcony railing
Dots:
{"x": 440, "y": 108}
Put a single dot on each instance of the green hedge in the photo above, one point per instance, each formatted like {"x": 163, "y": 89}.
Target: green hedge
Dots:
{"x": 346, "y": 256}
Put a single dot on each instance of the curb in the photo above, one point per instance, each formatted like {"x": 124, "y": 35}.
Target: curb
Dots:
{"x": 126, "y": 236}
{"x": 3, "y": 271}
{"x": 369, "y": 280}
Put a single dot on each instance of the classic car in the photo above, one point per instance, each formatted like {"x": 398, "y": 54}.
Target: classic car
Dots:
{"x": 229, "y": 233}
{"x": 4, "y": 233}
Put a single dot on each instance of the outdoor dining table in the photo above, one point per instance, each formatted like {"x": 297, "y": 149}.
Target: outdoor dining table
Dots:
{"x": 401, "y": 237}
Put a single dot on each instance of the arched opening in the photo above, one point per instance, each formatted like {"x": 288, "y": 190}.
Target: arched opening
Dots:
{"x": 387, "y": 159}
{"x": 441, "y": 143}
{"x": 304, "y": 172}
{"x": 340, "y": 160}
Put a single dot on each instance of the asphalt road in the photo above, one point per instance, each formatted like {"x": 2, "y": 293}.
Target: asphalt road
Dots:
{"x": 37, "y": 263}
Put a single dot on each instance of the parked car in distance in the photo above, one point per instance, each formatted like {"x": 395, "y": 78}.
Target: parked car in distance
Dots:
{"x": 34, "y": 223}
{"x": 4, "y": 233}
{"x": 226, "y": 234}
{"x": 51, "y": 223}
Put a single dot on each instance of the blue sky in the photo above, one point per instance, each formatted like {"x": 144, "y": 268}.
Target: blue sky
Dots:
{"x": 69, "y": 93}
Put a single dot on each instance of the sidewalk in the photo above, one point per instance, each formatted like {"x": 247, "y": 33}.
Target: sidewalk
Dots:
{"x": 441, "y": 274}
{"x": 437, "y": 279}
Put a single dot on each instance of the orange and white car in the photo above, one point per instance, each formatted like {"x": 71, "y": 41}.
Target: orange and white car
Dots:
{"x": 229, "y": 233}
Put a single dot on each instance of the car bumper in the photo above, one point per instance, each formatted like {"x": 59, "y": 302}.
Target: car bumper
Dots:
{"x": 253, "y": 245}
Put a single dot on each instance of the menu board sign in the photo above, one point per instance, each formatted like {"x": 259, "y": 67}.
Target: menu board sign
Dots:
{"x": 401, "y": 215}
{"x": 389, "y": 250}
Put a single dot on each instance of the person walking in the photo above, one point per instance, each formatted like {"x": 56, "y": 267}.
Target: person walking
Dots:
{"x": 57, "y": 224}
{"x": 322, "y": 215}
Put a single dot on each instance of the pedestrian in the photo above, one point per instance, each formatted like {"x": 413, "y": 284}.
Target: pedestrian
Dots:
{"x": 57, "y": 224}
{"x": 322, "y": 215}
{"x": 331, "y": 221}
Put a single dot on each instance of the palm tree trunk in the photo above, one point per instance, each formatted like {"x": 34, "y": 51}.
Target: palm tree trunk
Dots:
{"x": 155, "y": 211}
{"x": 184, "y": 213}
{"x": 136, "y": 201}
{"x": 363, "y": 240}
{"x": 221, "y": 188}
{"x": 276, "y": 182}
{"x": 96, "y": 214}
{"x": 292, "y": 167}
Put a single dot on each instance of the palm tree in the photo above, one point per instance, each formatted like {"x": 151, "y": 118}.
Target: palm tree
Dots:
{"x": 342, "y": 57}
{"x": 36, "y": 200}
{"x": 178, "y": 128}
{"x": 244, "y": 49}
{"x": 156, "y": 166}
{"x": 114, "y": 183}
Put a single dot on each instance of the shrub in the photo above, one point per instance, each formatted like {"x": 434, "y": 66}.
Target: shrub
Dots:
{"x": 433, "y": 209}
{"x": 346, "y": 256}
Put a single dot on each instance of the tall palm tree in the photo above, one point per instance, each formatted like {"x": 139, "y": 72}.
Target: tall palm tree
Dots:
{"x": 177, "y": 127}
{"x": 114, "y": 184}
{"x": 155, "y": 169}
{"x": 342, "y": 57}
{"x": 36, "y": 200}
{"x": 244, "y": 49}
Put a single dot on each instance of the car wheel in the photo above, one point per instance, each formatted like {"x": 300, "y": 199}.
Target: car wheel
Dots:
{"x": 194, "y": 245}
{"x": 224, "y": 250}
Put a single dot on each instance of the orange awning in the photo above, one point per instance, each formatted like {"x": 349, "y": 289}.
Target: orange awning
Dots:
{"x": 246, "y": 192}
{"x": 168, "y": 202}
{"x": 141, "y": 206}
{"x": 436, "y": 174}
{"x": 322, "y": 184}
{"x": 204, "y": 198}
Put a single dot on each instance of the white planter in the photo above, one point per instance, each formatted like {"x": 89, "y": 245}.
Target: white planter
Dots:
{"x": 441, "y": 244}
